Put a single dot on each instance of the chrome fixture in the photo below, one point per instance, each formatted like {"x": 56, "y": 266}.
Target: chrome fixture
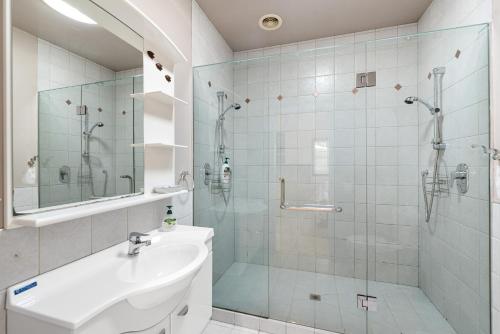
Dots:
{"x": 493, "y": 153}
{"x": 364, "y": 80}
{"x": 130, "y": 182}
{"x": 461, "y": 177}
{"x": 87, "y": 135}
{"x": 413, "y": 99}
{"x": 307, "y": 207}
{"x": 437, "y": 142}
{"x": 64, "y": 174}
{"x": 213, "y": 173}
{"x": 98, "y": 124}
{"x": 135, "y": 243}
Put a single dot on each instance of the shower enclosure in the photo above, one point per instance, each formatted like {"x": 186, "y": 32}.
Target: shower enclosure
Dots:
{"x": 326, "y": 225}
{"x": 85, "y": 136}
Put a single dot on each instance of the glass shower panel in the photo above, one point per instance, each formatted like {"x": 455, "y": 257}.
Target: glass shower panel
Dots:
{"x": 59, "y": 140}
{"x": 230, "y": 120}
{"x": 430, "y": 272}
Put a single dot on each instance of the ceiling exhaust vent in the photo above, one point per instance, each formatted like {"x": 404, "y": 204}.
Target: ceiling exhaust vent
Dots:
{"x": 270, "y": 22}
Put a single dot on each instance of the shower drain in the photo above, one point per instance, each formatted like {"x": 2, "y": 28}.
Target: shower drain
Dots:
{"x": 314, "y": 296}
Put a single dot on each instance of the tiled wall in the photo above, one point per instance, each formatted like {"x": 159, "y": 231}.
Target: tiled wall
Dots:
{"x": 209, "y": 209}
{"x": 454, "y": 252}
{"x": 319, "y": 133}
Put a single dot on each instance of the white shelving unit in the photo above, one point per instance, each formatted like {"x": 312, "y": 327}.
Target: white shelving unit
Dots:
{"x": 158, "y": 96}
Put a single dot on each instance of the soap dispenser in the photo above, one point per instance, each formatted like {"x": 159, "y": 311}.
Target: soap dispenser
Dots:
{"x": 169, "y": 221}
{"x": 225, "y": 174}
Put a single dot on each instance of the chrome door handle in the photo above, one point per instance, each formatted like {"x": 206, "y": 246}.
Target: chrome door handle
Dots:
{"x": 306, "y": 207}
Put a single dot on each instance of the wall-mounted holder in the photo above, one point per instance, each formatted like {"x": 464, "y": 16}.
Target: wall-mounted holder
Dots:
{"x": 461, "y": 177}
{"x": 442, "y": 186}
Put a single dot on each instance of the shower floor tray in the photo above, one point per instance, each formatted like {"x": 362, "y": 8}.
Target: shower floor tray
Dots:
{"x": 400, "y": 309}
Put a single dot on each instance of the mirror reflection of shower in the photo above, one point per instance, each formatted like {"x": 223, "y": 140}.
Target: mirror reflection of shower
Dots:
{"x": 218, "y": 176}
{"x": 438, "y": 184}
{"x": 87, "y": 157}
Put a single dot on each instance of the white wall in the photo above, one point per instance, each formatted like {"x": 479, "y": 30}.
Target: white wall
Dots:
{"x": 454, "y": 245}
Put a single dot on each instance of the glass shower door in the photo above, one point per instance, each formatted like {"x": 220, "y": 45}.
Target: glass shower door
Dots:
{"x": 318, "y": 257}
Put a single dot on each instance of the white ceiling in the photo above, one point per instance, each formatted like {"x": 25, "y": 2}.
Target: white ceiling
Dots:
{"x": 89, "y": 41}
{"x": 237, "y": 20}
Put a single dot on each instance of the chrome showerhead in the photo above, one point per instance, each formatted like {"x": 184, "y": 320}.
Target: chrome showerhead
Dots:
{"x": 235, "y": 106}
{"x": 98, "y": 124}
{"x": 413, "y": 99}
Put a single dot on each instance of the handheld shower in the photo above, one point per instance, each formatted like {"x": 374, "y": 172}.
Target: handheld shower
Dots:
{"x": 98, "y": 124}
{"x": 413, "y": 99}
{"x": 437, "y": 142}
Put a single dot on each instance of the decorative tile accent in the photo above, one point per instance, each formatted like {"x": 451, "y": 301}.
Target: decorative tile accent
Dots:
{"x": 280, "y": 97}
{"x": 355, "y": 91}
{"x": 225, "y": 95}
{"x": 68, "y": 102}
{"x": 210, "y": 84}
{"x": 398, "y": 87}
{"x": 458, "y": 53}
{"x": 124, "y": 112}
{"x": 99, "y": 109}
{"x": 247, "y": 100}
{"x": 429, "y": 76}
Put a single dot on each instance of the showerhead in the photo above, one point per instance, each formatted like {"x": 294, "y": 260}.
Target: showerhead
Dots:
{"x": 98, "y": 124}
{"x": 413, "y": 99}
{"x": 235, "y": 106}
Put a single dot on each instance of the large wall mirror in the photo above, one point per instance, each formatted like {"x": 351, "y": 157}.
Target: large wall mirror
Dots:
{"x": 74, "y": 69}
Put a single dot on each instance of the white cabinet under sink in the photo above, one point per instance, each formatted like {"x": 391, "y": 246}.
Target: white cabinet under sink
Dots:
{"x": 166, "y": 289}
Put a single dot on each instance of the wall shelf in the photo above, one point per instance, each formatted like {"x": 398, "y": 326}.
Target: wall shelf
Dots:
{"x": 158, "y": 96}
{"x": 158, "y": 145}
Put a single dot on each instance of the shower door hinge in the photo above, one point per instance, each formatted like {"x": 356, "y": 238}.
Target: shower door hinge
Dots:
{"x": 366, "y": 79}
{"x": 81, "y": 110}
{"x": 367, "y": 303}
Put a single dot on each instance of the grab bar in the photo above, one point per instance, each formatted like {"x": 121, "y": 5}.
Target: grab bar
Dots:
{"x": 306, "y": 207}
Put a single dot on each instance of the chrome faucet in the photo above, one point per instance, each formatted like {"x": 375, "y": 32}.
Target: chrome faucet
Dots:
{"x": 135, "y": 243}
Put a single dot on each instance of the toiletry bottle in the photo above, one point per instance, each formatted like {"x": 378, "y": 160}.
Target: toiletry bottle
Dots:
{"x": 169, "y": 221}
{"x": 225, "y": 173}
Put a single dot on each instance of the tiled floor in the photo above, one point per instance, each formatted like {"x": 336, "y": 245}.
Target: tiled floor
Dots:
{"x": 401, "y": 309}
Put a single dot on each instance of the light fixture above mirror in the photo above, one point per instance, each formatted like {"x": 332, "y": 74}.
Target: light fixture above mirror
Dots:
{"x": 67, "y": 10}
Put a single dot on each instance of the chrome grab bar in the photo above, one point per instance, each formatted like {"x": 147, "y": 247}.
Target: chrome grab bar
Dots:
{"x": 306, "y": 207}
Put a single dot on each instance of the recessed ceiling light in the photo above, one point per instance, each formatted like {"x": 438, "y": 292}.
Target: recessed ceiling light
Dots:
{"x": 270, "y": 22}
{"x": 67, "y": 10}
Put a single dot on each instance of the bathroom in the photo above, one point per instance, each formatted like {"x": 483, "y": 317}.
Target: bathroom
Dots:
{"x": 213, "y": 166}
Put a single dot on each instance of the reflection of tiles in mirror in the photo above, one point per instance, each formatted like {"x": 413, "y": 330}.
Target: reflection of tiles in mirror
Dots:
{"x": 401, "y": 309}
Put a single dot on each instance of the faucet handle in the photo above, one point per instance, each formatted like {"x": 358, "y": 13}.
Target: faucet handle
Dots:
{"x": 136, "y": 236}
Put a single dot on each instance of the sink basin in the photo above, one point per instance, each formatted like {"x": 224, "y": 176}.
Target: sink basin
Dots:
{"x": 159, "y": 262}
{"x": 115, "y": 290}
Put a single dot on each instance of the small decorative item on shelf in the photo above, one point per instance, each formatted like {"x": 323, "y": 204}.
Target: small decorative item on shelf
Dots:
{"x": 169, "y": 221}
{"x": 168, "y": 78}
{"x": 151, "y": 54}
{"x": 159, "y": 66}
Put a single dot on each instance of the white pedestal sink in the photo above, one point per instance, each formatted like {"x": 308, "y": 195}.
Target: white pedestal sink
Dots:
{"x": 112, "y": 293}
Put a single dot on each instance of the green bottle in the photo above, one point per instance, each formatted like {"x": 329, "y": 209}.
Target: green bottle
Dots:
{"x": 169, "y": 221}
